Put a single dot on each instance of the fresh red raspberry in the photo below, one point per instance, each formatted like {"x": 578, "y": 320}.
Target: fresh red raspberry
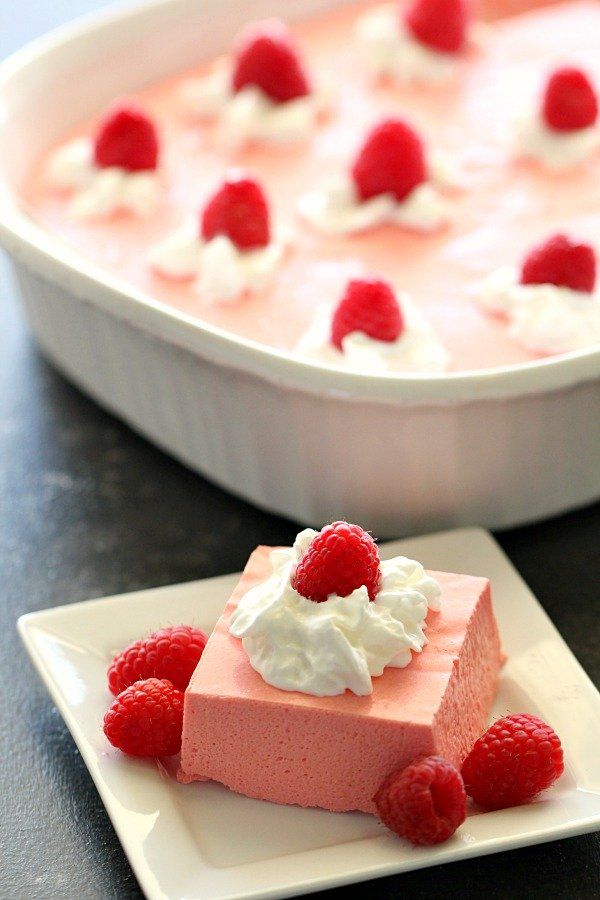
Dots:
{"x": 268, "y": 58}
{"x": 368, "y": 305}
{"x": 146, "y": 719}
{"x": 340, "y": 559}
{"x": 239, "y": 210}
{"x": 570, "y": 101}
{"x": 171, "y": 653}
{"x": 126, "y": 138}
{"x": 515, "y": 759}
{"x": 440, "y": 24}
{"x": 562, "y": 262}
{"x": 425, "y": 802}
{"x": 391, "y": 161}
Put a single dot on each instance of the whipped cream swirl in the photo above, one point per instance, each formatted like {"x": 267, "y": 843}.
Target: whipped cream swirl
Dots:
{"x": 250, "y": 114}
{"x": 324, "y": 649}
{"x": 98, "y": 192}
{"x": 337, "y": 209}
{"x": 223, "y": 271}
{"x": 416, "y": 350}
{"x": 390, "y": 50}
{"x": 555, "y": 149}
{"x": 543, "y": 318}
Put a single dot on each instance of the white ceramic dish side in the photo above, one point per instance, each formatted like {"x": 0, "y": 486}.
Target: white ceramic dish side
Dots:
{"x": 398, "y": 454}
{"x": 203, "y": 841}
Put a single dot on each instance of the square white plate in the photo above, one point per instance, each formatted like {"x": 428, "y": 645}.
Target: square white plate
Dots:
{"x": 202, "y": 841}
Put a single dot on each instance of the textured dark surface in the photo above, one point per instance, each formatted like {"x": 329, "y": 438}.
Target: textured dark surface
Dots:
{"x": 86, "y": 509}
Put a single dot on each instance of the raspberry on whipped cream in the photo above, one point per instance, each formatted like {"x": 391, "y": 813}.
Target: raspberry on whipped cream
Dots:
{"x": 390, "y": 182}
{"x": 550, "y": 304}
{"x": 232, "y": 251}
{"x": 263, "y": 93}
{"x": 326, "y": 648}
{"x": 114, "y": 171}
{"x": 340, "y": 559}
{"x": 371, "y": 331}
{"x": 424, "y": 42}
{"x": 565, "y": 130}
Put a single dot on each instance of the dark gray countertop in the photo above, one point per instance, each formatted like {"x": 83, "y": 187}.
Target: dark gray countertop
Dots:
{"x": 86, "y": 509}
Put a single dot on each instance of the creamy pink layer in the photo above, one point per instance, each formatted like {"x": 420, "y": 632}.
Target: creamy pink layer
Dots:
{"x": 504, "y": 208}
{"x": 333, "y": 752}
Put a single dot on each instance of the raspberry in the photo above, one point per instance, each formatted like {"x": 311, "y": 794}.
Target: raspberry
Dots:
{"x": 570, "y": 101}
{"x": 425, "y": 802}
{"x": 516, "y": 758}
{"x": 126, "y": 138}
{"x": 368, "y": 305}
{"x": 146, "y": 719}
{"x": 562, "y": 262}
{"x": 340, "y": 559}
{"x": 440, "y": 24}
{"x": 171, "y": 653}
{"x": 267, "y": 57}
{"x": 240, "y": 211}
{"x": 391, "y": 161}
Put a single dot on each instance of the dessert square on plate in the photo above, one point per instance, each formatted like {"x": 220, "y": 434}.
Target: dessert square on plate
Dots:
{"x": 203, "y": 841}
{"x": 334, "y": 751}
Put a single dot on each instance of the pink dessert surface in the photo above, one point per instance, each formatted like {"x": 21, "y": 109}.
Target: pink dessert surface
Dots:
{"x": 333, "y": 752}
{"x": 503, "y": 207}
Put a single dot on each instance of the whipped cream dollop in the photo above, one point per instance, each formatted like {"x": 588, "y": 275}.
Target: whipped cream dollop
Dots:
{"x": 327, "y": 648}
{"x": 542, "y": 317}
{"x": 224, "y": 272}
{"x": 336, "y": 208}
{"x": 250, "y": 114}
{"x": 417, "y": 350}
{"x": 391, "y": 50}
{"x": 555, "y": 149}
{"x": 97, "y": 192}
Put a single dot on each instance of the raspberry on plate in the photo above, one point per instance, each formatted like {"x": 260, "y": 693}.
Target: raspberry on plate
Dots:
{"x": 570, "y": 102}
{"x": 425, "y": 802}
{"x": 146, "y": 719}
{"x": 562, "y": 262}
{"x": 517, "y": 757}
{"x": 171, "y": 653}
{"x": 339, "y": 560}
{"x": 391, "y": 161}
{"x": 238, "y": 210}
{"x": 368, "y": 305}
{"x": 440, "y": 24}
{"x": 126, "y": 138}
{"x": 267, "y": 57}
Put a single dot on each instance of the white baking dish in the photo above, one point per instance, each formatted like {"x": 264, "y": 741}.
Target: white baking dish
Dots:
{"x": 398, "y": 454}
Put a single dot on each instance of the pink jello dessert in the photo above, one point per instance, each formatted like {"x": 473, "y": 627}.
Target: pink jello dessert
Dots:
{"x": 501, "y": 207}
{"x": 334, "y": 751}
